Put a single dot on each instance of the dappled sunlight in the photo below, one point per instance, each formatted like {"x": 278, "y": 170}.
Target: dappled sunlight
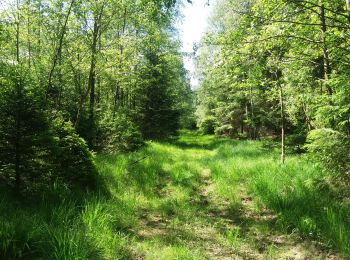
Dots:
{"x": 169, "y": 200}
{"x": 195, "y": 196}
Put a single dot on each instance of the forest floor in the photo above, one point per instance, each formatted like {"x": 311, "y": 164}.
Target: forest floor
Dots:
{"x": 194, "y": 197}
{"x": 194, "y": 202}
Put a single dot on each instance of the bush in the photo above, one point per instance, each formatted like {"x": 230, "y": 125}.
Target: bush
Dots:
{"x": 226, "y": 130}
{"x": 331, "y": 149}
{"x": 296, "y": 141}
{"x": 208, "y": 125}
{"x": 72, "y": 160}
{"x": 120, "y": 134}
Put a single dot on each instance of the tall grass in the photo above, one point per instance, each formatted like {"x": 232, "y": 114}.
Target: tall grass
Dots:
{"x": 152, "y": 204}
{"x": 297, "y": 191}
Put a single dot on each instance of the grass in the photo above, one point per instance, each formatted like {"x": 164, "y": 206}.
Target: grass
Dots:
{"x": 196, "y": 197}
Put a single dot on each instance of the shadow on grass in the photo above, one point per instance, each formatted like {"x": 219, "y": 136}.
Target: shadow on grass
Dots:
{"x": 315, "y": 212}
{"x": 210, "y": 145}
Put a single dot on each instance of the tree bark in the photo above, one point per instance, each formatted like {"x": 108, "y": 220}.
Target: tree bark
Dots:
{"x": 252, "y": 113}
{"x": 247, "y": 117}
{"x": 18, "y": 111}
{"x": 283, "y": 157}
{"x": 96, "y": 34}
{"x": 326, "y": 62}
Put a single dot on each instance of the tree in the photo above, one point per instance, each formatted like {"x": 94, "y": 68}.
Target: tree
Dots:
{"x": 267, "y": 65}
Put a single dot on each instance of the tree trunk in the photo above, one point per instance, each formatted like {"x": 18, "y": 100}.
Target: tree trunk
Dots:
{"x": 326, "y": 62}
{"x": 29, "y": 35}
{"x": 121, "y": 50}
{"x": 18, "y": 112}
{"x": 252, "y": 113}
{"x": 348, "y": 9}
{"x": 60, "y": 81}
{"x": 116, "y": 100}
{"x": 282, "y": 125}
{"x": 92, "y": 80}
{"x": 247, "y": 117}
{"x": 59, "y": 49}
{"x": 92, "y": 75}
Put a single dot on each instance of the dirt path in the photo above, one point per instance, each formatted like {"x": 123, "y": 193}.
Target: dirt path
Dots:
{"x": 252, "y": 244}
{"x": 205, "y": 225}
{"x": 225, "y": 235}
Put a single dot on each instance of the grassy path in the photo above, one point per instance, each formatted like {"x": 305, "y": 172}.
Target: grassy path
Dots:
{"x": 190, "y": 200}
{"x": 196, "y": 197}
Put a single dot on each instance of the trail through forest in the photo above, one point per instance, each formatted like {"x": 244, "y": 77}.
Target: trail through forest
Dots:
{"x": 198, "y": 213}
{"x": 193, "y": 197}
{"x": 112, "y": 129}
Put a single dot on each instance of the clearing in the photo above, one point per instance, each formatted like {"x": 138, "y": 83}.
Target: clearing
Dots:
{"x": 191, "y": 199}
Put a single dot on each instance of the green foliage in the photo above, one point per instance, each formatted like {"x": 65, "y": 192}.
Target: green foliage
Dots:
{"x": 120, "y": 134}
{"x": 24, "y": 135}
{"x": 72, "y": 160}
{"x": 331, "y": 149}
{"x": 249, "y": 195}
{"x": 110, "y": 72}
{"x": 208, "y": 125}
{"x": 296, "y": 192}
{"x": 158, "y": 114}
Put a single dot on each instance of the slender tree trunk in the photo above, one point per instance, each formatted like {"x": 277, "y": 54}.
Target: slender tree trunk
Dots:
{"x": 252, "y": 113}
{"x": 98, "y": 77}
{"x": 348, "y": 9}
{"x": 29, "y": 34}
{"x": 92, "y": 78}
{"x": 96, "y": 34}
{"x": 326, "y": 62}
{"x": 307, "y": 117}
{"x": 59, "y": 48}
{"x": 116, "y": 100}
{"x": 18, "y": 109}
{"x": 40, "y": 24}
{"x": 122, "y": 97}
{"x": 247, "y": 117}
{"x": 282, "y": 124}
{"x": 60, "y": 81}
{"x": 121, "y": 51}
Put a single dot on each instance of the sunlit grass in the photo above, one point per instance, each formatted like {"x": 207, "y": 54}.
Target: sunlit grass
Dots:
{"x": 174, "y": 200}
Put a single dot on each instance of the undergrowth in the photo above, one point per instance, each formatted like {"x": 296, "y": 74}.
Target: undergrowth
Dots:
{"x": 154, "y": 207}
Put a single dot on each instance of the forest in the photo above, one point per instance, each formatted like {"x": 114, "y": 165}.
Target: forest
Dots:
{"x": 107, "y": 151}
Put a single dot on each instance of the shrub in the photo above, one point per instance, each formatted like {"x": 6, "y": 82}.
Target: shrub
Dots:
{"x": 296, "y": 141}
{"x": 331, "y": 149}
{"x": 226, "y": 130}
{"x": 208, "y": 125}
{"x": 72, "y": 160}
{"x": 120, "y": 134}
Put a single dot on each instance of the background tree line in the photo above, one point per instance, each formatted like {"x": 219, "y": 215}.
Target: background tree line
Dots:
{"x": 80, "y": 75}
{"x": 279, "y": 68}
